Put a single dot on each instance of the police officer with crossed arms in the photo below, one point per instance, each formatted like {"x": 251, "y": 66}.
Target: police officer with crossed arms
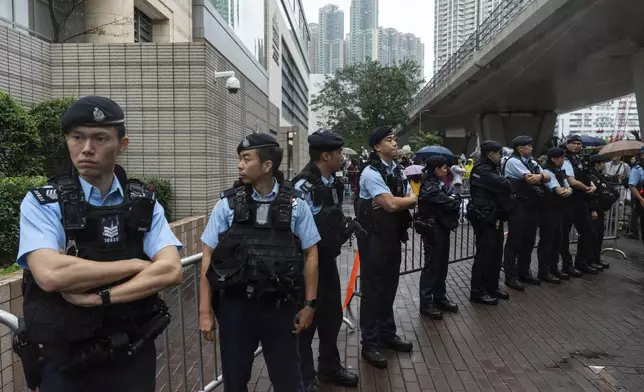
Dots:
{"x": 96, "y": 249}
{"x": 324, "y": 194}
{"x": 259, "y": 258}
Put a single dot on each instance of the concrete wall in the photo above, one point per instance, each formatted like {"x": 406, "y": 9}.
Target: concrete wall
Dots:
{"x": 11, "y": 375}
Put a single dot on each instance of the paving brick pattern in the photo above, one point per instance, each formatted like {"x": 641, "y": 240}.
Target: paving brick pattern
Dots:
{"x": 545, "y": 339}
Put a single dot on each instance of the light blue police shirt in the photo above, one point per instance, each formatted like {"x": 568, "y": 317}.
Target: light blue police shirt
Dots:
{"x": 636, "y": 176}
{"x": 41, "y": 226}
{"x": 553, "y": 183}
{"x": 516, "y": 167}
{"x": 307, "y": 195}
{"x": 302, "y": 223}
{"x": 568, "y": 169}
{"x": 372, "y": 184}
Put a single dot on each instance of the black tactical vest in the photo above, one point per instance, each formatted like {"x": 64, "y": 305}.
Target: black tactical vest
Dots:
{"x": 259, "y": 256}
{"x": 387, "y": 225}
{"x": 605, "y": 195}
{"x": 551, "y": 197}
{"x": 581, "y": 174}
{"x": 526, "y": 193}
{"x": 94, "y": 233}
{"x": 483, "y": 199}
{"x": 330, "y": 219}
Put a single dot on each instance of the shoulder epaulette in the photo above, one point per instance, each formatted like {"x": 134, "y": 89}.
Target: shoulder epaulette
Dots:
{"x": 45, "y": 195}
{"x": 298, "y": 194}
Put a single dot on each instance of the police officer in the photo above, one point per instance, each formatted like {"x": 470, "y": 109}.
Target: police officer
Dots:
{"x": 438, "y": 214}
{"x": 636, "y": 186}
{"x": 555, "y": 202}
{"x": 489, "y": 191}
{"x": 259, "y": 254}
{"x": 578, "y": 213}
{"x": 527, "y": 178}
{"x": 600, "y": 202}
{"x": 382, "y": 209}
{"x": 324, "y": 194}
{"x": 96, "y": 249}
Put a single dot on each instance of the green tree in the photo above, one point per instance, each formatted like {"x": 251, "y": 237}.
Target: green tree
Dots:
{"x": 361, "y": 97}
{"x": 46, "y": 119}
{"x": 423, "y": 139}
{"x": 19, "y": 141}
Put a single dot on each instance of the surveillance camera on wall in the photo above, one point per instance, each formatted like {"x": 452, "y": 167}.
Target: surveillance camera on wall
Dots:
{"x": 232, "y": 83}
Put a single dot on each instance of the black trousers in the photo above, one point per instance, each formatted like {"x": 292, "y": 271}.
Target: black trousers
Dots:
{"x": 549, "y": 239}
{"x": 578, "y": 214}
{"x": 486, "y": 268}
{"x": 379, "y": 268}
{"x": 522, "y": 233}
{"x": 243, "y": 324}
{"x": 432, "y": 278}
{"x": 327, "y": 321}
{"x": 637, "y": 214}
{"x": 598, "y": 229}
{"x": 131, "y": 374}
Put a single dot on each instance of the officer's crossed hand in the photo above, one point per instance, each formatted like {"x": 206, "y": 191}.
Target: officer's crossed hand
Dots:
{"x": 303, "y": 319}
{"x": 592, "y": 188}
{"x": 593, "y": 215}
{"x": 534, "y": 179}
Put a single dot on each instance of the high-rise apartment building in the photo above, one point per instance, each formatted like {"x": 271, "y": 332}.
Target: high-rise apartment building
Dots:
{"x": 395, "y": 47}
{"x": 363, "y": 35}
{"x": 616, "y": 118}
{"x": 455, "y": 22}
{"x": 314, "y": 47}
{"x": 331, "y": 41}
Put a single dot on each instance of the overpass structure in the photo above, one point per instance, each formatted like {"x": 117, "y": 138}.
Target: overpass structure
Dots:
{"x": 528, "y": 61}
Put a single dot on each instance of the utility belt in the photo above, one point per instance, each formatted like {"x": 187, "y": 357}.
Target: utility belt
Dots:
{"x": 250, "y": 280}
{"x": 249, "y": 293}
{"x": 425, "y": 227}
{"x": 81, "y": 357}
{"x": 478, "y": 216}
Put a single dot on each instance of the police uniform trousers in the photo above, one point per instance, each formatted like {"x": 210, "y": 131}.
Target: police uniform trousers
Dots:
{"x": 598, "y": 229}
{"x": 522, "y": 233}
{"x": 577, "y": 214}
{"x": 432, "y": 278}
{"x": 244, "y": 324}
{"x": 380, "y": 260}
{"x": 327, "y": 321}
{"x": 129, "y": 374}
{"x": 486, "y": 268}
{"x": 549, "y": 239}
{"x": 637, "y": 214}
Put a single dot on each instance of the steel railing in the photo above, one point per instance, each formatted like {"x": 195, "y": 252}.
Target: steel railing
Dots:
{"x": 500, "y": 17}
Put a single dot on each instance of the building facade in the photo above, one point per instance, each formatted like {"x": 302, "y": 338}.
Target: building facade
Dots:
{"x": 395, "y": 48}
{"x": 314, "y": 47}
{"x": 364, "y": 32}
{"x": 614, "y": 119}
{"x": 331, "y": 39}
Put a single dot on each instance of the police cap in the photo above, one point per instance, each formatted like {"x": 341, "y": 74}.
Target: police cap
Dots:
{"x": 491, "y": 145}
{"x": 599, "y": 158}
{"x": 574, "y": 138}
{"x": 435, "y": 161}
{"x": 257, "y": 140}
{"x": 93, "y": 111}
{"x": 379, "y": 134}
{"x": 555, "y": 152}
{"x": 325, "y": 141}
{"x": 521, "y": 140}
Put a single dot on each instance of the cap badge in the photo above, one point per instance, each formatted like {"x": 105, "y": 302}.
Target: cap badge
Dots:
{"x": 245, "y": 143}
{"x": 98, "y": 114}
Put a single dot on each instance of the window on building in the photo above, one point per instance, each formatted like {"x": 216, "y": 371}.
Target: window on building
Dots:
{"x": 142, "y": 27}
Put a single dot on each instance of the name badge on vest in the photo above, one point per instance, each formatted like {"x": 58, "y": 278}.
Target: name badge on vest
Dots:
{"x": 336, "y": 199}
{"x": 262, "y": 216}
{"x": 111, "y": 231}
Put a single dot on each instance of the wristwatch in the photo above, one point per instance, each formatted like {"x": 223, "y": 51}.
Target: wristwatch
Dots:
{"x": 311, "y": 303}
{"x": 105, "y": 296}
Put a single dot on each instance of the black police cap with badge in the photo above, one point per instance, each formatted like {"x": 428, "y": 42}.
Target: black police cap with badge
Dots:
{"x": 324, "y": 141}
{"x": 434, "y": 162}
{"x": 555, "y": 152}
{"x": 491, "y": 145}
{"x": 522, "y": 140}
{"x": 257, "y": 140}
{"x": 93, "y": 111}
{"x": 379, "y": 134}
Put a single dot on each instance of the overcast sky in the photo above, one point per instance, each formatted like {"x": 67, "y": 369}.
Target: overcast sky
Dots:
{"x": 416, "y": 17}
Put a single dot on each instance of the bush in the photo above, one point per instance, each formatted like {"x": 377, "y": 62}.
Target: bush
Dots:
{"x": 46, "y": 120}
{"x": 19, "y": 141}
{"x": 12, "y": 191}
{"x": 163, "y": 190}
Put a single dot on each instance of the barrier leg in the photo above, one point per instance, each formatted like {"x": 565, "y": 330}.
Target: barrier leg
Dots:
{"x": 614, "y": 249}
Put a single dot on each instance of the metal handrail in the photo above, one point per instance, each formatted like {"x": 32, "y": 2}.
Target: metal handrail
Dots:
{"x": 498, "y": 19}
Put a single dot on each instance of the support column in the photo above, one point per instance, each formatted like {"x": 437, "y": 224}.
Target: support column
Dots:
{"x": 503, "y": 127}
{"x": 637, "y": 66}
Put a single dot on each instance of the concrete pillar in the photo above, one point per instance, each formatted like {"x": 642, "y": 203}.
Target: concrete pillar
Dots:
{"x": 637, "y": 65}
{"x": 503, "y": 127}
{"x": 115, "y": 19}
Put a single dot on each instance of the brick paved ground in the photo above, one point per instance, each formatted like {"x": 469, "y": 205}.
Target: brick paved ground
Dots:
{"x": 544, "y": 339}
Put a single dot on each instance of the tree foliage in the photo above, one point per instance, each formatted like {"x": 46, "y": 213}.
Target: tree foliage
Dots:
{"x": 423, "y": 139}
{"x": 361, "y": 97}
{"x": 64, "y": 13}
{"x": 46, "y": 119}
{"x": 19, "y": 141}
